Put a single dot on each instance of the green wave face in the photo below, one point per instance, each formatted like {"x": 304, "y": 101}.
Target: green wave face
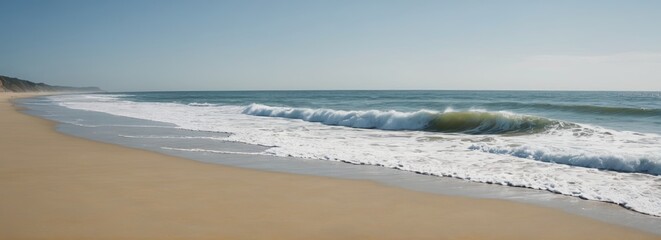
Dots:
{"x": 490, "y": 123}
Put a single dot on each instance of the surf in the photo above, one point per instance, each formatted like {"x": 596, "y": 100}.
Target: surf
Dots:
{"x": 449, "y": 121}
{"x": 571, "y": 157}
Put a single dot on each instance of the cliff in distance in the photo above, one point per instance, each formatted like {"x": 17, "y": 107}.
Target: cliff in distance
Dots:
{"x": 9, "y": 84}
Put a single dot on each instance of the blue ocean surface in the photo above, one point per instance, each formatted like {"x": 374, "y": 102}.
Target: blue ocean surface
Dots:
{"x": 603, "y": 146}
{"x": 633, "y": 111}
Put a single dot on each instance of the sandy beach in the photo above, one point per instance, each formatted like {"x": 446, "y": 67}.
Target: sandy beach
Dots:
{"x": 54, "y": 186}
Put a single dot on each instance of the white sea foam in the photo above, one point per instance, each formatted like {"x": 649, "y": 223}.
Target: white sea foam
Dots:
{"x": 609, "y": 159}
{"x": 211, "y": 151}
{"x": 390, "y": 120}
{"x": 169, "y": 137}
{"x": 476, "y": 121}
{"x": 529, "y": 160}
{"x": 201, "y": 104}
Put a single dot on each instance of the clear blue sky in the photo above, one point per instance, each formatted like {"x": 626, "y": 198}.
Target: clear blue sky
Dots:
{"x": 254, "y": 45}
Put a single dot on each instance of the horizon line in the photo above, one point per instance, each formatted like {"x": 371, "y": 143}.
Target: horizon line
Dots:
{"x": 385, "y": 90}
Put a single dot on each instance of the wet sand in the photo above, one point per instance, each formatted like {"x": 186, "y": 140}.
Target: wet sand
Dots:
{"x": 54, "y": 186}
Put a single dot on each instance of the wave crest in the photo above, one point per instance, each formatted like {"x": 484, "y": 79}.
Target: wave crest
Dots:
{"x": 471, "y": 122}
{"x": 638, "y": 163}
{"x": 387, "y": 120}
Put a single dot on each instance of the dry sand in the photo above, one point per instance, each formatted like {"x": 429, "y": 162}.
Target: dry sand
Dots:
{"x": 54, "y": 186}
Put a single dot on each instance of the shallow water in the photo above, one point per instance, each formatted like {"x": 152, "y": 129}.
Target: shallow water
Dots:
{"x": 601, "y": 146}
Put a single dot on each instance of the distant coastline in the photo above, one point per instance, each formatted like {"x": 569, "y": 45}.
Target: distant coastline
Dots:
{"x": 10, "y": 84}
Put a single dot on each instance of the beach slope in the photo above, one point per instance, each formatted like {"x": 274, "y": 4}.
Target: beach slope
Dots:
{"x": 54, "y": 186}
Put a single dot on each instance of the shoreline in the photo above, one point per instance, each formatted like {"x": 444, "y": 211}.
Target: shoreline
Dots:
{"x": 77, "y": 188}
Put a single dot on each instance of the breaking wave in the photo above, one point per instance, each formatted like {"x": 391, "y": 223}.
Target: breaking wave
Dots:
{"x": 633, "y": 162}
{"x": 469, "y": 122}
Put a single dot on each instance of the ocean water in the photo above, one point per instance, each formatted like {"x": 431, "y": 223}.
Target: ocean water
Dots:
{"x": 603, "y": 146}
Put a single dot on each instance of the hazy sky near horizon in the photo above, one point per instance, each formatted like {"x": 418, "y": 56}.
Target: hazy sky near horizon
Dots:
{"x": 261, "y": 45}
